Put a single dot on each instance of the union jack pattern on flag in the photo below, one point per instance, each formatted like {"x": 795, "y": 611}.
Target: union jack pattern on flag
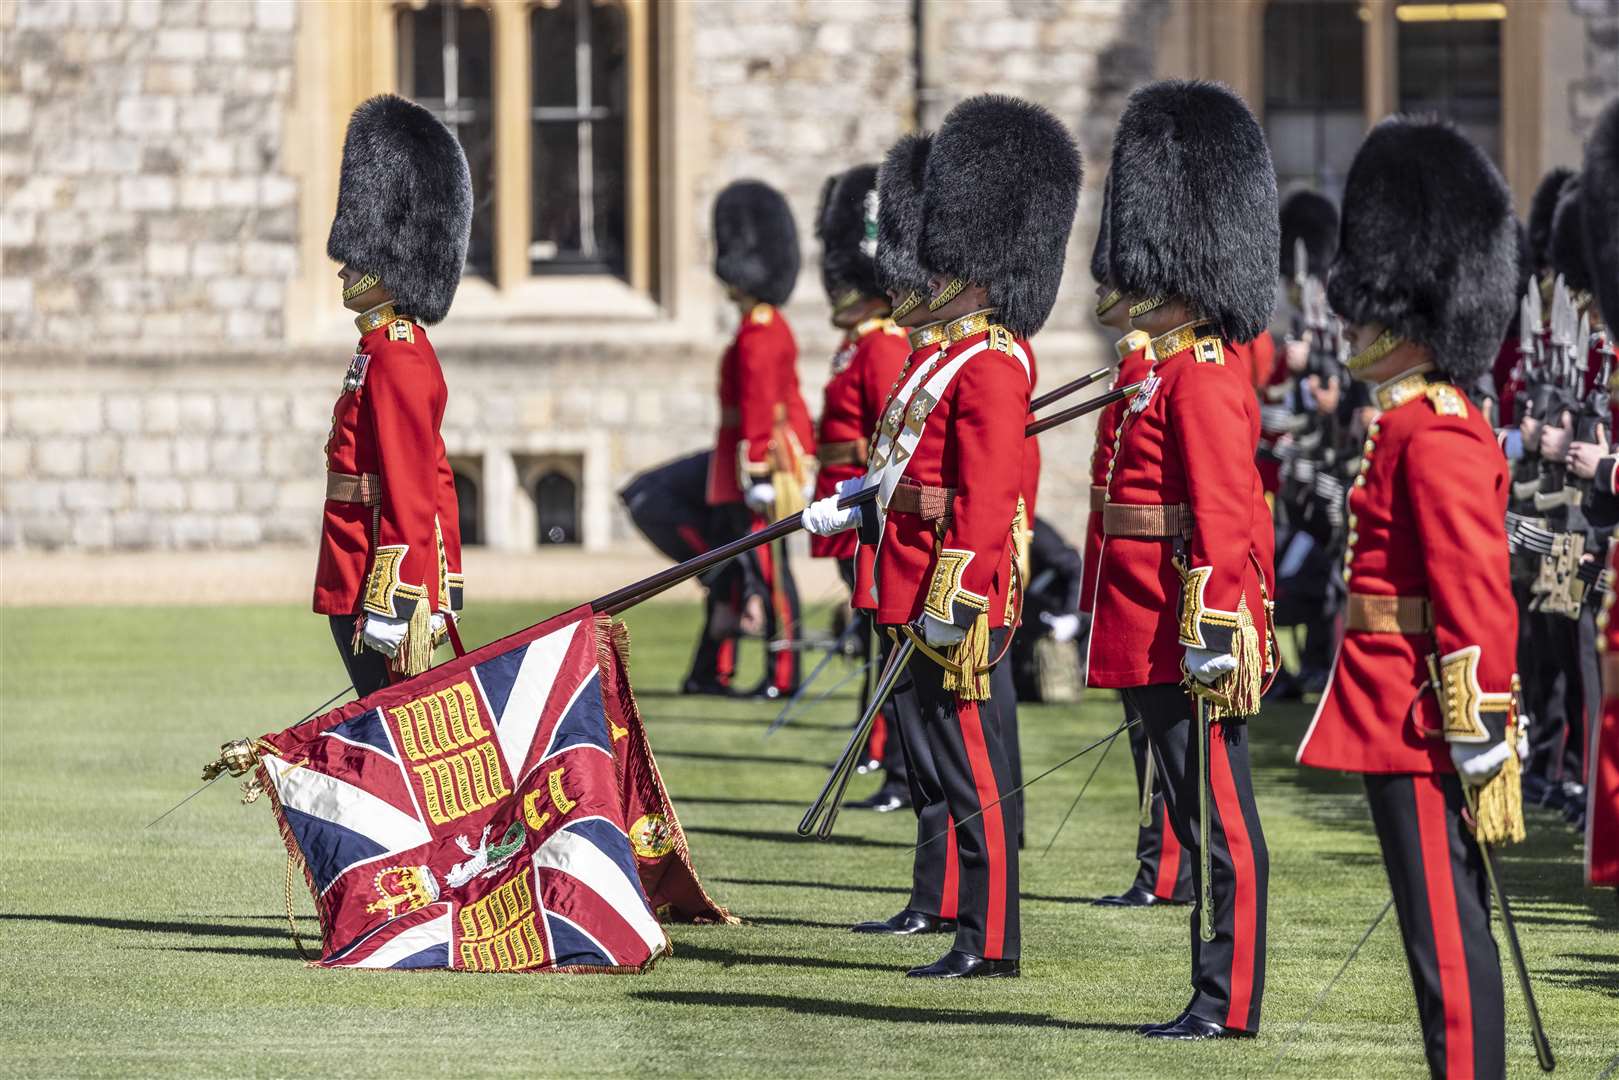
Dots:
{"x": 501, "y": 812}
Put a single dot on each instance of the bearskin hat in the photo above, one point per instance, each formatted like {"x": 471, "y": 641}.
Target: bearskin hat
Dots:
{"x": 755, "y": 241}
{"x": 846, "y": 226}
{"x": 1541, "y": 208}
{"x": 1311, "y": 217}
{"x": 404, "y": 204}
{"x": 1428, "y": 247}
{"x": 1001, "y": 188}
{"x": 1566, "y": 252}
{"x": 1099, "y": 268}
{"x": 1599, "y": 191}
{"x": 1194, "y": 204}
{"x": 899, "y": 215}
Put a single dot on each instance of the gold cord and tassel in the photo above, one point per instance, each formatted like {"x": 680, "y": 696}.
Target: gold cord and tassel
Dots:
{"x": 1498, "y": 803}
{"x": 967, "y": 674}
{"x": 789, "y": 494}
{"x": 416, "y": 651}
{"x": 1237, "y": 694}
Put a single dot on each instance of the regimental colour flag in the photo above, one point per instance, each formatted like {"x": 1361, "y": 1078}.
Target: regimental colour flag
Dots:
{"x": 501, "y": 812}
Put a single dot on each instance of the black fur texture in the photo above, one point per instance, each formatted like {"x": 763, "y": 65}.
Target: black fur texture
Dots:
{"x": 998, "y": 203}
{"x": 1429, "y": 245}
{"x": 1099, "y": 270}
{"x": 1567, "y": 249}
{"x": 899, "y": 215}
{"x": 1599, "y": 188}
{"x": 1311, "y": 217}
{"x": 404, "y": 204}
{"x": 1541, "y": 208}
{"x": 1195, "y": 212}
{"x": 755, "y": 241}
{"x": 848, "y": 255}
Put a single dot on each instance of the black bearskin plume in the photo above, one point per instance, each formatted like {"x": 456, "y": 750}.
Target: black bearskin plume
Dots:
{"x": 1311, "y": 217}
{"x": 755, "y": 241}
{"x": 846, "y": 226}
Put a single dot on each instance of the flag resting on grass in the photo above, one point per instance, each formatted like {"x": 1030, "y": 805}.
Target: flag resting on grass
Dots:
{"x": 501, "y": 812}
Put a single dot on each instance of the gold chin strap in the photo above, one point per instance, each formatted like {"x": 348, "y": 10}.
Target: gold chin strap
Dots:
{"x": 912, "y": 301}
{"x": 846, "y": 300}
{"x": 947, "y": 294}
{"x": 364, "y": 285}
{"x": 1104, "y": 305}
{"x": 1385, "y": 343}
{"x": 1144, "y": 306}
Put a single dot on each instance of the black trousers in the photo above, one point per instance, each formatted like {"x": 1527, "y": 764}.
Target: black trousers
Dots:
{"x": 966, "y": 745}
{"x": 1554, "y": 696}
{"x": 1162, "y": 865}
{"x": 1442, "y": 897}
{"x": 1003, "y": 702}
{"x": 763, "y": 571}
{"x": 1228, "y": 973}
{"x": 368, "y": 669}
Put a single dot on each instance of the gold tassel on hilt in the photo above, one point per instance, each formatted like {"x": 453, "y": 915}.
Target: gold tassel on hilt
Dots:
{"x": 967, "y": 674}
{"x": 1498, "y": 804}
{"x": 416, "y": 651}
{"x": 1238, "y": 694}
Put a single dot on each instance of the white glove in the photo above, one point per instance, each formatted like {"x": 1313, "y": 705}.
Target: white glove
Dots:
{"x": 1207, "y": 666}
{"x": 938, "y": 633}
{"x": 823, "y": 518}
{"x": 761, "y": 499}
{"x": 439, "y": 620}
{"x": 1523, "y": 736}
{"x": 1477, "y": 762}
{"x": 1064, "y": 628}
{"x": 384, "y": 633}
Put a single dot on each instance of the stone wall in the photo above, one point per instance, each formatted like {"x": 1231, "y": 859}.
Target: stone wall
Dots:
{"x": 140, "y": 169}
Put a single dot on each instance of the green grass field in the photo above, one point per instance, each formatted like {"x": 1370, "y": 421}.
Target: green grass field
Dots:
{"x": 164, "y": 951}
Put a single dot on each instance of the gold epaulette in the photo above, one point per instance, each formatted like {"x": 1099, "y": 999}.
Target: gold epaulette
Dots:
{"x": 762, "y": 314}
{"x": 1446, "y": 399}
{"x": 402, "y": 330}
{"x": 1001, "y": 340}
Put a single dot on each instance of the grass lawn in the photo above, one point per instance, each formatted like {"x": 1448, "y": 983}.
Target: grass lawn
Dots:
{"x": 164, "y": 951}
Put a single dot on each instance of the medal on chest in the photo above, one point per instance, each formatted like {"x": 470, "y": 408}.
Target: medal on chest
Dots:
{"x": 842, "y": 359}
{"x": 354, "y": 378}
{"x": 1149, "y": 386}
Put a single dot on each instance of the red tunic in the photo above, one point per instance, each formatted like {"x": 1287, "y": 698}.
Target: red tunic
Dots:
{"x": 1602, "y": 814}
{"x": 1031, "y": 454}
{"x": 1258, "y": 358}
{"x": 762, "y": 411}
{"x": 972, "y": 442}
{"x": 1188, "y": 439}
{"x": 863, "y": 374}
{"x": 1135, "y": 360}
{"x": 1425, "y": 521}
{"x": 402, "y": 545}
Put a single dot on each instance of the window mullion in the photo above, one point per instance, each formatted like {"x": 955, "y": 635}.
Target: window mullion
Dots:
{"x": 513, "y": 133}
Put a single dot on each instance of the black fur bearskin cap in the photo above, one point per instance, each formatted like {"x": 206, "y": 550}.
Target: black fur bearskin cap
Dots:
{"x": 755, "y": 241}
{"x": 1099, "y": 267}
{"x": 899, "y": 215}
{"x": 1429, "y": 246}
{"x": 1311, "y": 217}
{"x": 847, "y": 229}
{"x": 1194, "y": 210}
{"x": 1566, "y": 252}
{"x": 1001, "y": 188}
{"x": 1599, "y": 190}
{"x": 1541, "y": 208}
{"x": 404, "y": 204}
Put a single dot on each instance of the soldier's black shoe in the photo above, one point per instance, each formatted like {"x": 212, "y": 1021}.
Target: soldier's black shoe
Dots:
{"x": 706, "y": 687}
{"x": 907, "y": 923}
{"x": 883, "y": 800}
{"x": 1148, "y": 1029}
{"x": 962, "y": 965}
{"x": 1134, "y": 896}
{"x": 1191, "y": 1028}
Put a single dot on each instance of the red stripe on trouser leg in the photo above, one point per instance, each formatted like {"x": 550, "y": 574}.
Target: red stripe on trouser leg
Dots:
{"x": 1245, "y": 908}
{"x": 972, "y": 735}
{"x": 1169, "y": 854}
{"x": 781, "y": 664}
{"x": 949, "y": 898}
{"x": 878, "y": 743}
{"x": 1434, "y": 838}
{"x": 693, "y": 538}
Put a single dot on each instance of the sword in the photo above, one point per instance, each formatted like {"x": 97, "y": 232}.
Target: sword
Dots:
{"x": 835, "y": 650}
{"x": 1205, "y": 897}
{"x": 1327, "y": 989}
{"x": 1082, "y": 789}
{"x": 853, "y": 673}
{"x": 830, "y": 799}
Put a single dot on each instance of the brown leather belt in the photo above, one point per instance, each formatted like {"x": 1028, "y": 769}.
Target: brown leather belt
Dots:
{"x": 1098, "y": 498}
{"x": 1388, "y": 614}
{"x": 928, "y": 503}
{"x": 852, "y": 452}
{"x": 365, "y": 489}
{"x": 1156, "y": 521}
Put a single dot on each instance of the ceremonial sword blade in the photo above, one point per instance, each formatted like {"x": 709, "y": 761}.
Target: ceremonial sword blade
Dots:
{"x": 838, "y": 781}
{"x": 206, "y": 785}
{"x": 1082, "y": 789}
{"x": 1537, "y": 1029}
{"x": 1287, "y": 1044}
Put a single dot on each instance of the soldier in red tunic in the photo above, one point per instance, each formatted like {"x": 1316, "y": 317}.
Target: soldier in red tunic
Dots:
{"x": 758, "y": 469}
{"x": 1000, "y": 185}
{"x": 1163, "y": 873}
{"x": 389, "y": 570}
{"x": 1421, "y": 699}
{"x": 1182, "y": 594}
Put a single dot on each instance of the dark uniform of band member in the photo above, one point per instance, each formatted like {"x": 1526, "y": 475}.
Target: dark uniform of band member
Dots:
{"x": 757, "y": 472}
{"x": 1000, "y": 187}
{"x": 1182, "y": 598}
{"x": 1163, "y": 872}
{"x": 389, "y": 571}
{"x": 1421, "y": 698}
{"x": 867, "y": 363}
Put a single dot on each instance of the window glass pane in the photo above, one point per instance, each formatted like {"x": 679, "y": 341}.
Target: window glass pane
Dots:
{"x": 579, "y": 181}
{"x": 445, "y": 65}
{"x": 1314, "y": 104}
{"x": 1453, "y": 68}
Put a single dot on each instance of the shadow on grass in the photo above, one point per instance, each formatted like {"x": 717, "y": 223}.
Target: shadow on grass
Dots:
{"x": 735, "y": 958}
{"x": 784, "y": 836}
{"x": 808, "y": 924}
{"x": 286, "y": 952}
{"x": 737, "y": 800}
{"x": 782, "y": 883}
{"x": 654, "y": 717}
{"x": 740, "y": 759}
{"x": 143, "y": 926}
{"x": 893, "y": 1014}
